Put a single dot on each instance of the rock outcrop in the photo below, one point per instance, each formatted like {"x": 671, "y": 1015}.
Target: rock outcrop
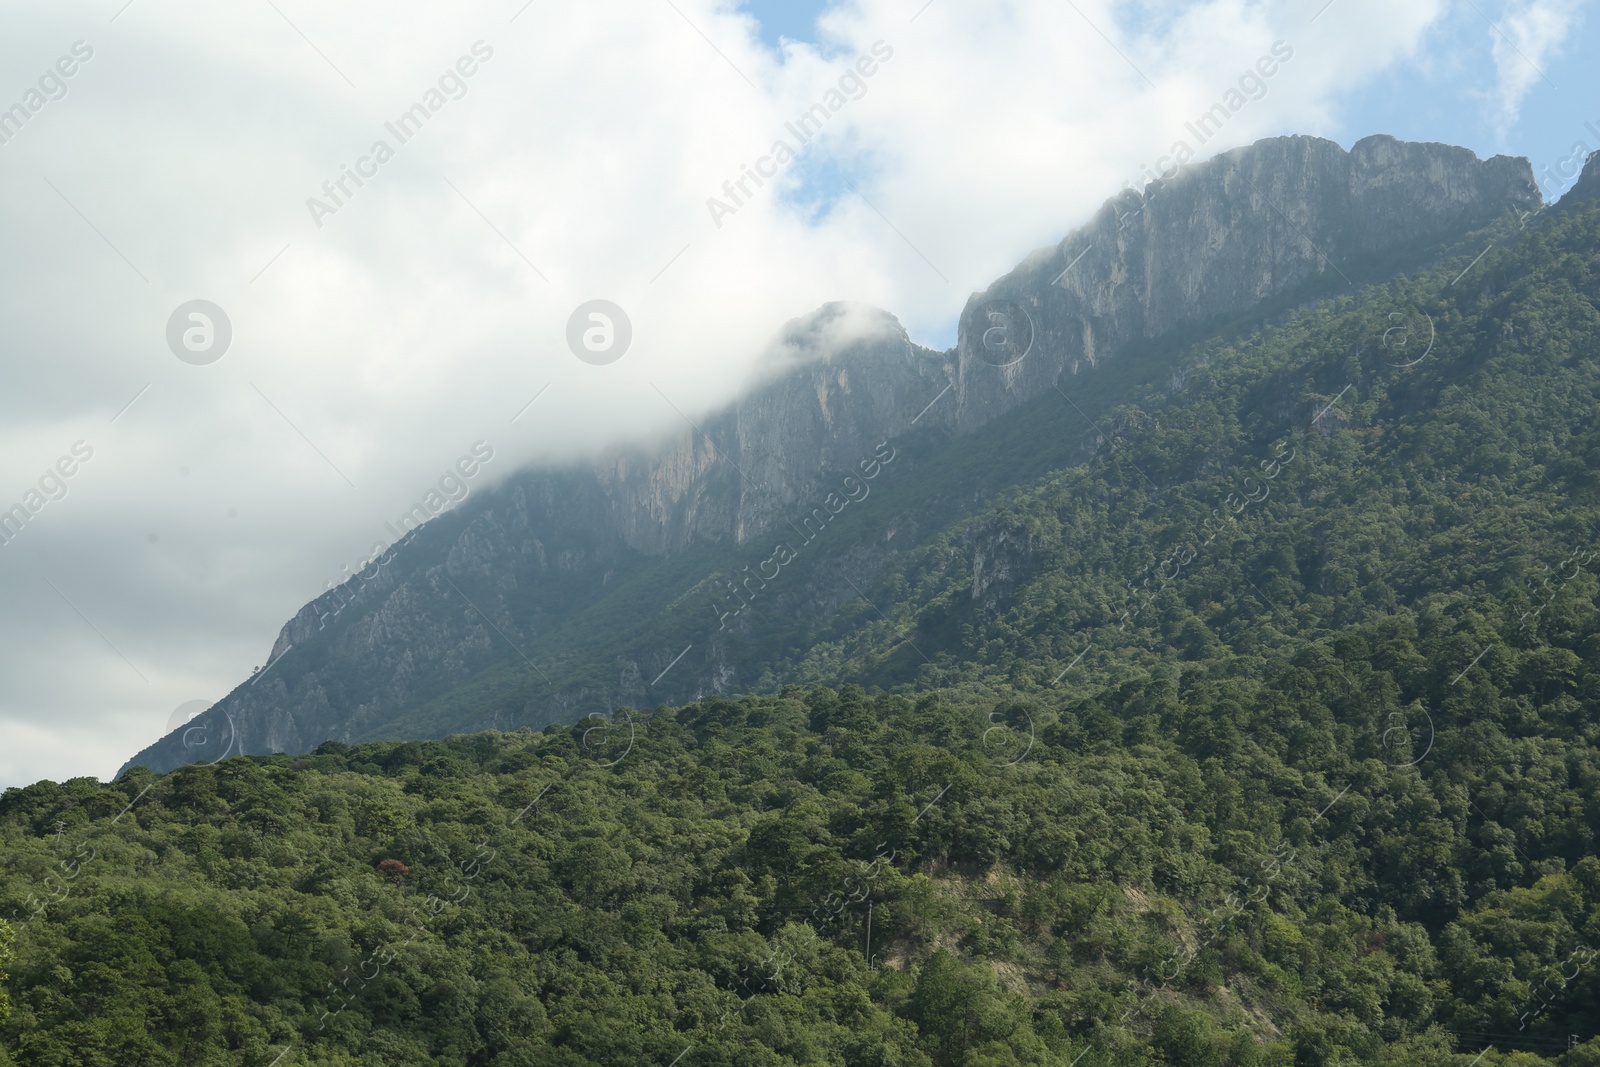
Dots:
{"x": 1587, "y": 187}
{"x": 1215, "y": 241}
{"x": 507, "y": 570}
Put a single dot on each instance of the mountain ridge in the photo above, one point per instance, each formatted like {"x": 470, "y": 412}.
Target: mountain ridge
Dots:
{"x": 1236, "y": 705}
{"x": 1248, "y": 226}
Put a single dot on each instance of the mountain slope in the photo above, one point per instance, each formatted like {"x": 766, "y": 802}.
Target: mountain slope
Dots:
{"x": 1258, "y": 867}
{"x": 620, "y": 583}
{"x": 1242, "y": 708}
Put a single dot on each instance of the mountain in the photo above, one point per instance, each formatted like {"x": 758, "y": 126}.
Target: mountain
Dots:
{"x": 1232, "y": 871}
{"x": 1232, "y": 700}
{"x": 1587, "y": 186}
{"x": 624, "y": 582}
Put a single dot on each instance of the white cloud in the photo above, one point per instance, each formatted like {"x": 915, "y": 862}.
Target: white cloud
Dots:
{"x": 1527, "y": 37}
{"x": 408, "y": 326}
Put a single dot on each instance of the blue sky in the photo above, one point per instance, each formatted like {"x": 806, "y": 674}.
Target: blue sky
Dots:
{"x": 1441, "y": 97}
{"x": 794, "y": 19}
{"x": 583, "y": 165}
{"x": 1443, "y": 94}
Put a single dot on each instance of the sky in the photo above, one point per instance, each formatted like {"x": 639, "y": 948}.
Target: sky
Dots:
{"x": 272, "y": 268}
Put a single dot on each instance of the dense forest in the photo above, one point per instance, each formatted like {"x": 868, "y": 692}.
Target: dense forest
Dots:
{"x": 1218, "y": 870}
{"x": 1265, "y": 731}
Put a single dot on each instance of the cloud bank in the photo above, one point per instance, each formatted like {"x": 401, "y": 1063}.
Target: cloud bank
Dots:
{"x": 385, "y": 309}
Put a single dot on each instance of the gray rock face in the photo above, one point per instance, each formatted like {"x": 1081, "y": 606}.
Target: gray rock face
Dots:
{"x": 509, "y": 569}
{"x": 1587, "y": 186}
{"x": 1215, "y": 241}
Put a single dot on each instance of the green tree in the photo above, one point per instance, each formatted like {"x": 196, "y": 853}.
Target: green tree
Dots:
{"x": 1185, "y": 1039}
{"x": 7, "y": 954}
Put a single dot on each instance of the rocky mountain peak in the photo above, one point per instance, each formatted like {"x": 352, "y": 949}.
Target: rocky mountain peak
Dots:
{"x": 1587, "y": 186}
{"x": 1288, "y": 217}
{"x": 1213, "y": 241}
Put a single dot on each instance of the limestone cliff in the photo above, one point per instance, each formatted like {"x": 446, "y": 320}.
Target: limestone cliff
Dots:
{"x": 516, "y": 572}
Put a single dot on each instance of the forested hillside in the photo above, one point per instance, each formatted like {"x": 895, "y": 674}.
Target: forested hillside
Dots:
{"x": 1241, "y": 868}
{"x": 1427, "y": 442}
{"x": 1255, "y": 720}
{"x": 714, "y": 560}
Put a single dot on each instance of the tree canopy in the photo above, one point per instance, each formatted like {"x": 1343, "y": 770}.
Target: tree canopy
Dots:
{"x": 1264, "y": 731}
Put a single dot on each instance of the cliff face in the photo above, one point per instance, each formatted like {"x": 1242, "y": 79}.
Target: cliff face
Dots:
{"x": 1587, "y": 186}
{"x": 517, "y": 571}
{"x": 1215, "y": 241}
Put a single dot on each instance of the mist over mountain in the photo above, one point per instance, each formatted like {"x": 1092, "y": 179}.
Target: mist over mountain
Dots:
{"x": 543, "y": 582}
{"x": 1196, "y": 666}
